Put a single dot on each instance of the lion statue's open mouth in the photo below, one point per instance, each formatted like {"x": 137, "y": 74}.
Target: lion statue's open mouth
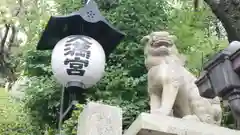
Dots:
{"x": 160, "y": 47}
{"x": 161, "y": 43}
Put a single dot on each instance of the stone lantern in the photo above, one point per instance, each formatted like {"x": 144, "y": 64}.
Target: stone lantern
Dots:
{"x": 221, "y": 77}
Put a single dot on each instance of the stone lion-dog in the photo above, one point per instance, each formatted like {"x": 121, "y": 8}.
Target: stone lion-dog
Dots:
{"x": 171, "y": 86}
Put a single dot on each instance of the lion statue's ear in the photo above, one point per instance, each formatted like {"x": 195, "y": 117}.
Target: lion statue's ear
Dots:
{"x": 183, "y": 58}
{"x": 145, "y": 39}
{"x": 173, "y": 38}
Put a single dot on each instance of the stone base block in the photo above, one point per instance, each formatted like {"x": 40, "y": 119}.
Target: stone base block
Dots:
{"x": 100, "y": 119}
{"x": 150, "y": 124}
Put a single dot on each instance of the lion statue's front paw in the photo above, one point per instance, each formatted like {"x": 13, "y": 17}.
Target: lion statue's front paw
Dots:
{"x": 162, "y": 111}
{"x": 191, "y": 117}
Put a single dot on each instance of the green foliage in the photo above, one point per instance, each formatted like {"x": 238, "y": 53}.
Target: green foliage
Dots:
{"x": 194, "y": 38}
{"x": 37, "y": 63}
{"x": 21, "y": 126}
{"x": 5, "y": 106}
{"x": 228, "y": 119}
{"x": 43, "y": 93}
{"x": 43, "y": 100}
{"x": 70, "y": 125}
{"x": 13, "y": 119}
{"x": 124, "y": 83}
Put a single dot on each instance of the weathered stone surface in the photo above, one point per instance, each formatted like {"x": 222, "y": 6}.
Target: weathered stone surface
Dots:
{"x": 100, "y": 119}
{"x": 151, "y": 124}
{"x": 168, "y": 75}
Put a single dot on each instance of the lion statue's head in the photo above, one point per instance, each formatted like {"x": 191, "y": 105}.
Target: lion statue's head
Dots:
{"x": 160, "y": 46}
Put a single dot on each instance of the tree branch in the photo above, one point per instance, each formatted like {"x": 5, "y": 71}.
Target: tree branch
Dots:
{"x": 217, "y": 29}
{"x": 11, "y": 41}
{"x": 7, "y": 27}
{"x": 8, "y": 70}
{"x": 3, "y": 42}
{"x": 19, "y": 8}
{"x": 213, "y": 3}
{"x": 227, "y": 13}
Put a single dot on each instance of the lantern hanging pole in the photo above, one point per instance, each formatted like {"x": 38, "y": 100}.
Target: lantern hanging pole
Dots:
{"x": 73, "y": 101}
{"x": 61, "y": 111}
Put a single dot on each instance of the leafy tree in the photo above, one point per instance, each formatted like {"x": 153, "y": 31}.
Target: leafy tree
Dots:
{"x": 14, "y": 119}
{"x": 32, "y": 63}
{"x": 8, "y": 35}
{"x": 227, "y": 12}
{"x": 124, "y": 83}
{"x": 195, "y": 39}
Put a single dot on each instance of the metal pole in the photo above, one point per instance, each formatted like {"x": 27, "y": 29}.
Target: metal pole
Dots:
{"x": 86, "y": 1}
{"x": 72, "y": 98}
{"x": 61, "y": 112}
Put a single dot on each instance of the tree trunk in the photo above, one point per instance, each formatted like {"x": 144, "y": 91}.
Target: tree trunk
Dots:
{"x": 228, "y": 12}
{"x": 5, "y": 49}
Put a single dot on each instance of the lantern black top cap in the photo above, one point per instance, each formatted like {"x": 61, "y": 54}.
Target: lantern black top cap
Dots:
{"x": 230, "y": 51}
{"x": 87, "y": 21}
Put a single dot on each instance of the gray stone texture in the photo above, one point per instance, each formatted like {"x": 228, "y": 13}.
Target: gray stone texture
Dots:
{"x": 100, "y": 119}
{"x": 151, "y": 124}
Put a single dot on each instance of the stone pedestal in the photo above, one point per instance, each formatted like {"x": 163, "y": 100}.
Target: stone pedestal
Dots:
{"x": 149, "y": 124}
{"x": 100, "y": 119}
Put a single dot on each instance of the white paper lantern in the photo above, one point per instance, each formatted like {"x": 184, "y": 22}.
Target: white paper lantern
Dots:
{"x": 80, "y": 59}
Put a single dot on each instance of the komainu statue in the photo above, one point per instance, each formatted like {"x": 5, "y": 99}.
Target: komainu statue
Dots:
{"x": 171, "y": 86}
